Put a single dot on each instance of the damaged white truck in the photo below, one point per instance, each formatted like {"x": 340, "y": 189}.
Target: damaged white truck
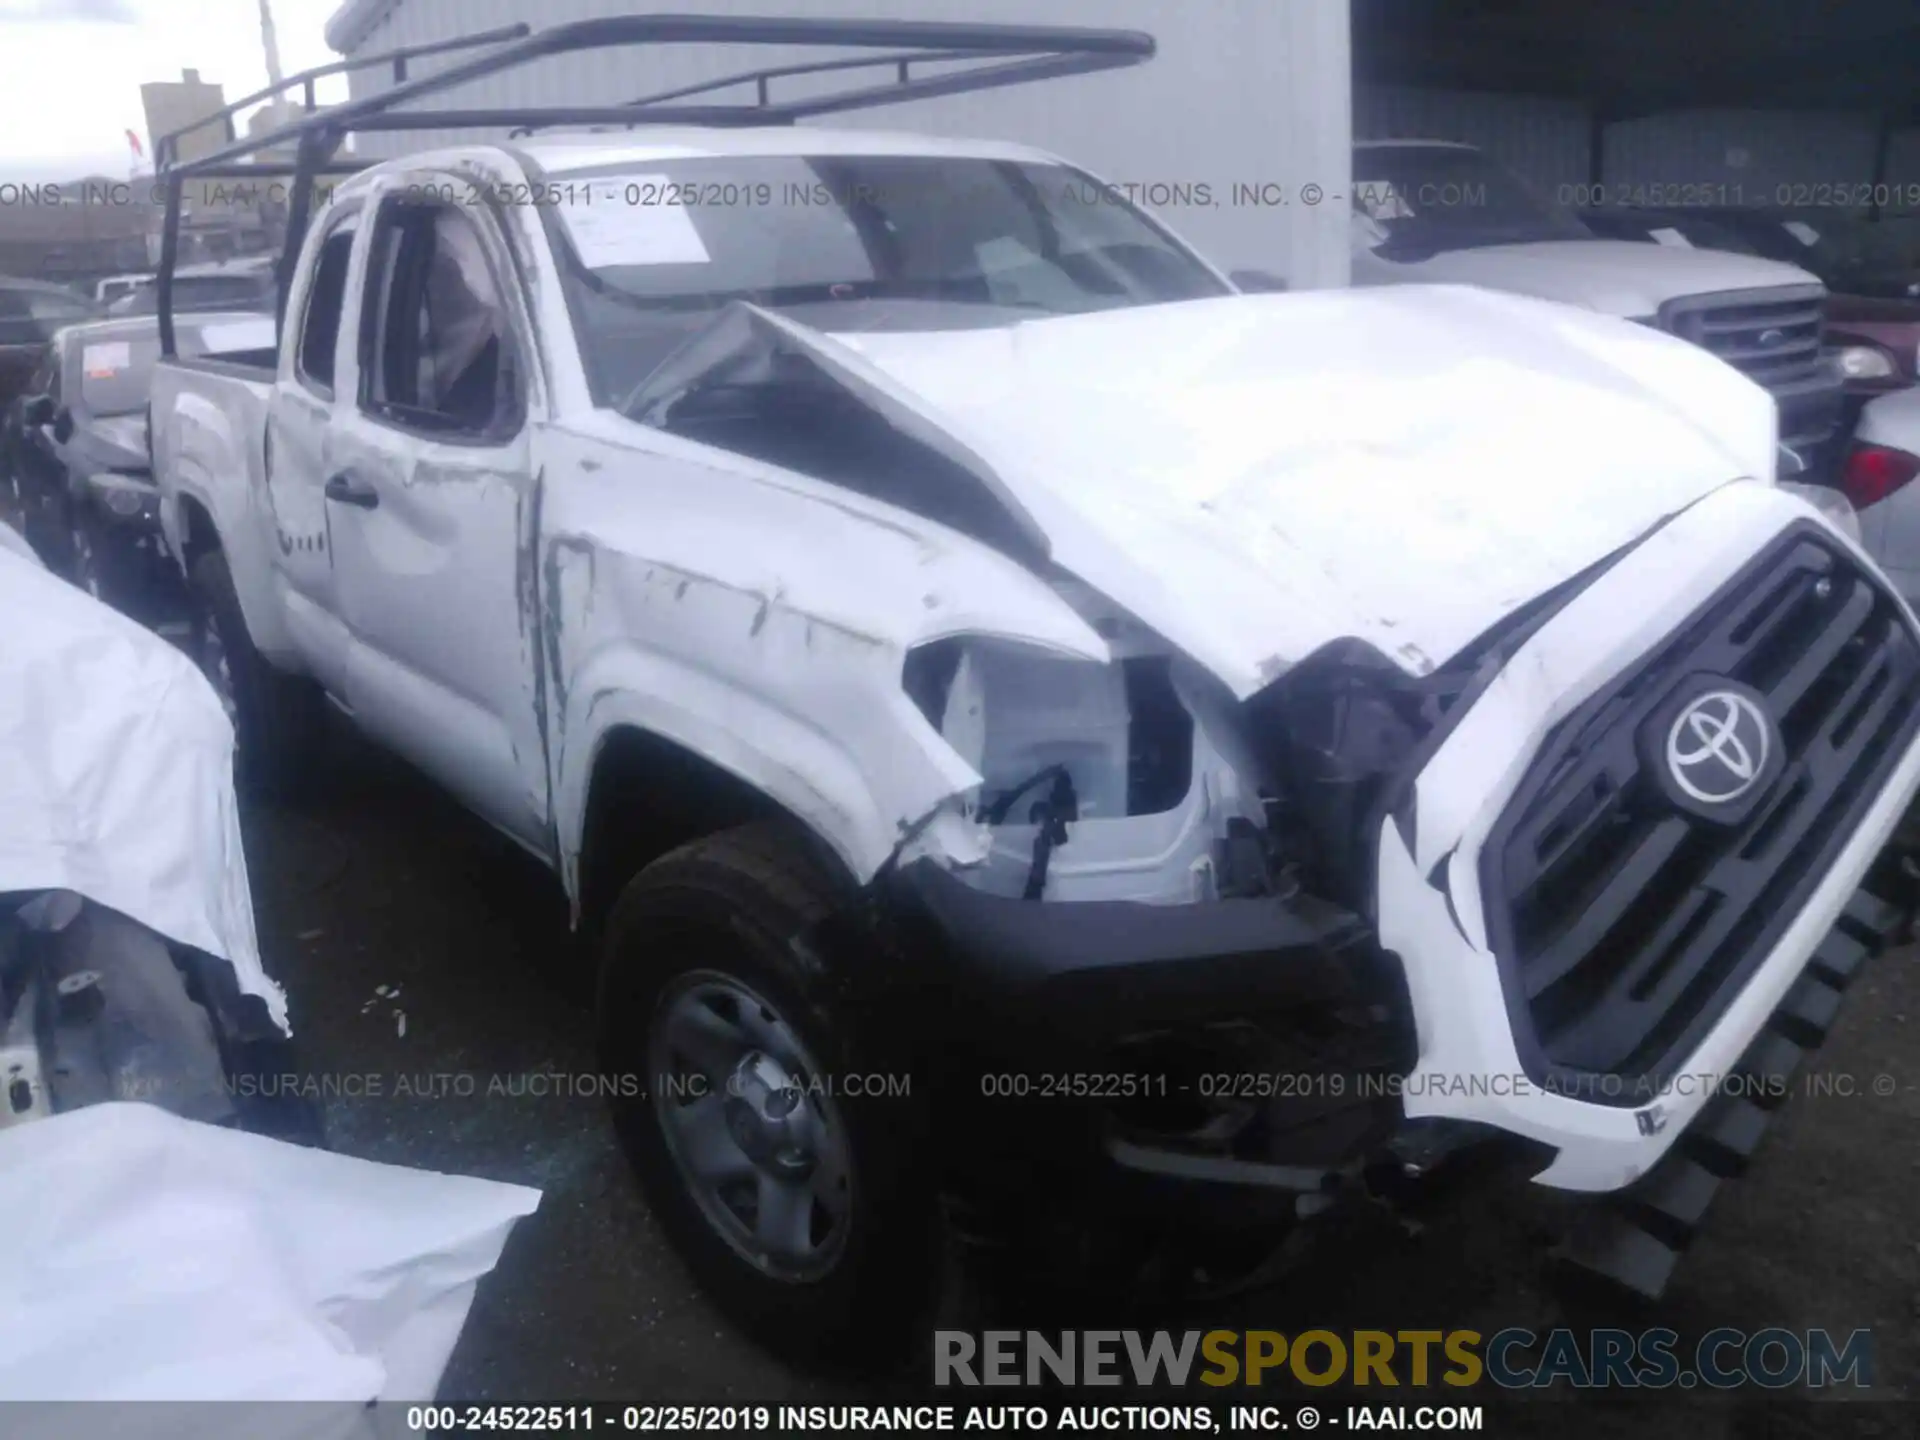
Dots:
{"x": 1041, "y": 738}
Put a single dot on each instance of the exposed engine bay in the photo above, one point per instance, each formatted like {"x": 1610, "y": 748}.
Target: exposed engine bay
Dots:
{"x": 1144, "y": 780}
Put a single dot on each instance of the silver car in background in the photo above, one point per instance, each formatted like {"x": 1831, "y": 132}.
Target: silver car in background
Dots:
{"x": 1876, "y": 476}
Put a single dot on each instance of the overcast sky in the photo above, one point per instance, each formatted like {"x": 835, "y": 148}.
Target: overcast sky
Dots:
{"x": 73, "y": 69}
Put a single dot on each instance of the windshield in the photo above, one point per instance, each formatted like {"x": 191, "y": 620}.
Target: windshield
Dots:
{"x": 1426, "y": 199}
{"x": 116, "y": 371}
{"x": 849, "y": 243}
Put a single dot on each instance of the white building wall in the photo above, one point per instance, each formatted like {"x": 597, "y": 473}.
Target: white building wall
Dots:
{"x": 1245, "y": 107}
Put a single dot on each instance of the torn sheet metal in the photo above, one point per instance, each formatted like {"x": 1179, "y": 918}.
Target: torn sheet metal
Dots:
{"x": 747, "y": 341}
{"x": 717, "y": 607}
{"x": 153, "y": 1258}
{"x": 116, "y": 774}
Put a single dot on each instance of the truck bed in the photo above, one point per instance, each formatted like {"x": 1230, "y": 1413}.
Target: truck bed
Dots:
{"x": 207, "y": 428}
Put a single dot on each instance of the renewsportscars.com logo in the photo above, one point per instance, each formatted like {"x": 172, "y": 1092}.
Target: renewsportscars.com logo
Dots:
{"x": 1722, "y": 1359}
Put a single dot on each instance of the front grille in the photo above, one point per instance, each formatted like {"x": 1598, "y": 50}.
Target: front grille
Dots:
{"x": 1623, "y": 925}
{"x": 1771, "y": 335}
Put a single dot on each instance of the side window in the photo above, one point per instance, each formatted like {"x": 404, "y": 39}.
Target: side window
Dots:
{"x": 436, "y": 350}
{"x": 326, "y": 298}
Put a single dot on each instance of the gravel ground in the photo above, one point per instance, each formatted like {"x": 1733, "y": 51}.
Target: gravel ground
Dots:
{"x": 418, "y": 948}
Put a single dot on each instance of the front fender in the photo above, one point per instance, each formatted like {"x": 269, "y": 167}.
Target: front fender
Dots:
{"x": 807, "y": 710}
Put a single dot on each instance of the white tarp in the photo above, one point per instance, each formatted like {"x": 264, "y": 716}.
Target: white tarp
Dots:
{"x": 116, "y": 773}
{"x": 150, "y": 1258}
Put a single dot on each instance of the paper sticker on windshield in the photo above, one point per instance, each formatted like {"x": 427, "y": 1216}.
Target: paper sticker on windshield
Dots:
{"x": 636, "y": 220}
{"x": 106, "y": 360}
{"x": 1802, "y": 232}
{"x": 1666, "y": 236}
{"x": 237, "y": 335}
{"x": 1380, "y": 201}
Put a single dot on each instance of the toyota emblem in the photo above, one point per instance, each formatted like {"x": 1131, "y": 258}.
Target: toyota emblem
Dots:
{"x": 1718, "y": 747}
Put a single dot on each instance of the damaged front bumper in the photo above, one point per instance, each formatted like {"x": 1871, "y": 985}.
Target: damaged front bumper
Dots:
{"x": 1284, "y": 1045}
{"x": 1226, "y": 1059}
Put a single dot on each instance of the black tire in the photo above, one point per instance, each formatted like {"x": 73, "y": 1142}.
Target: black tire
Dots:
{"x": 277, "y": 719}
{"x": 728, "y": 904}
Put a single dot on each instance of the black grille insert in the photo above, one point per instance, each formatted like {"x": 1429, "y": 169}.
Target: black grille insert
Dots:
{"x": 1624, "y": 926}
{"x": 1773, "y": 335}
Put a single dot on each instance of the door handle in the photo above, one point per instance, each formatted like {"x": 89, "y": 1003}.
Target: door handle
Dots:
{"x": 343, "y": 489}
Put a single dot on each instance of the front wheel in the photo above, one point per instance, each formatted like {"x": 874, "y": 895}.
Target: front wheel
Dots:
{"x": 277, "y": 719}
{"x": 781, "y": 1157}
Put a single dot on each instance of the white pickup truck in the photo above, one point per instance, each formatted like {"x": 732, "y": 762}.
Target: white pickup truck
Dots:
{"x": 1031, "y": 726}
{"x": 1434, "y": 212}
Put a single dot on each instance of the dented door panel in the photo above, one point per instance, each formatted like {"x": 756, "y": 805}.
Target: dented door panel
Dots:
{"x": 442, "y": 665}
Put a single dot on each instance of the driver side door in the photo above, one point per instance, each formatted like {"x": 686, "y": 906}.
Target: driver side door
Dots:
{"x": 432, "y": 501}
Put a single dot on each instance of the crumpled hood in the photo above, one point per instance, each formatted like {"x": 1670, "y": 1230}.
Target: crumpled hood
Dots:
{"x": 116, "y": 774}
{"x": 1616, "y": 277}
{"x": 1255, "y": 476}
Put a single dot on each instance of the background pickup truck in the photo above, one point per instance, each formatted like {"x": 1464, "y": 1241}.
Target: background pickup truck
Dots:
{"x": 1430, "y": 212}
{"x": 1001, "y": 698}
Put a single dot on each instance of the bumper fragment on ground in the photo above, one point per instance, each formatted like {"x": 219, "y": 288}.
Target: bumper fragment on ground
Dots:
{"x": 1634, "y": 1240}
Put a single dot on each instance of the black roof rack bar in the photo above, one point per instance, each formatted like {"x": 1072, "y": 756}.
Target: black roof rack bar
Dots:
{"x": 280, "y": 169}
{"x": 1017, "y": 72}
{"x": 1029, "y": 52}
{"x": 545, "y": 118}
{"x": 165, "y": 147}
{"x": 647, "y": 112}
{"x": 900, "y": 59}
{"x": 1071, "y": 50}
{"x": 633, "y": 114}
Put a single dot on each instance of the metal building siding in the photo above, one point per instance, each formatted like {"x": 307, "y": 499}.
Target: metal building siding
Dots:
{"x": 1243, "y": 92}
{"x": 1746, "y": 157}
{"x": 1903, "y": 169}
{"x": 1540, "y": 137}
